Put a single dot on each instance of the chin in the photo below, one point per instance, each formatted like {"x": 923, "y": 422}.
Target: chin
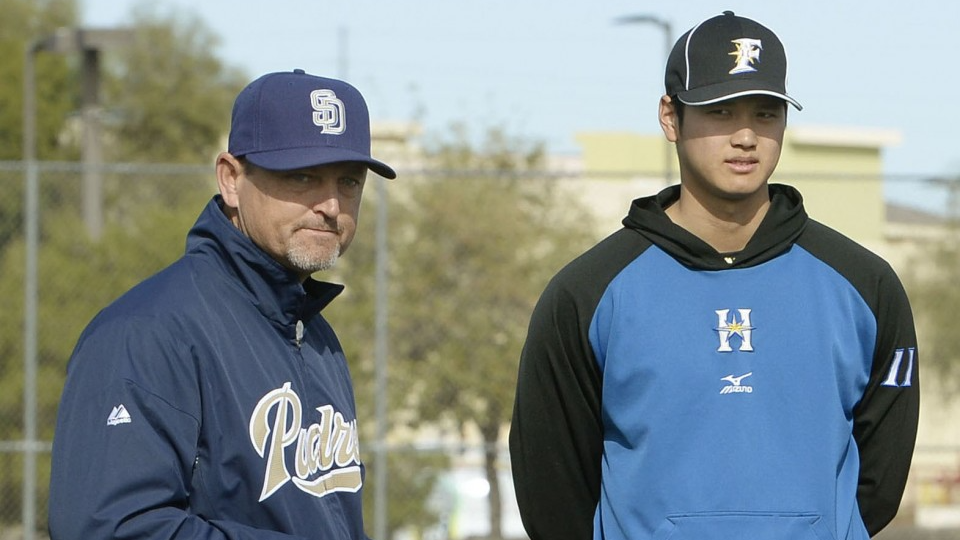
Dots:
{"x": 743, "y": 187}
{"x": 310, "y": 261}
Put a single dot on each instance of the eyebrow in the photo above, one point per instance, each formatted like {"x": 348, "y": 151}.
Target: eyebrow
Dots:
{"x": 358, "y": 170}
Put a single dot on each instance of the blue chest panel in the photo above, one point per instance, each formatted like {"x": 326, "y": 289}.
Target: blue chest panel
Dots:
{"x": 715, "y": 381}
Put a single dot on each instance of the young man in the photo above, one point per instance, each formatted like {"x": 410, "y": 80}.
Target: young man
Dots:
{"x": 722, "y": 367}
{"x": 213, "y": 400}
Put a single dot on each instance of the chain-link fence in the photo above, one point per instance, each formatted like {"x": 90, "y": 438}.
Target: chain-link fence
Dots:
{"x": 440, "y": 284}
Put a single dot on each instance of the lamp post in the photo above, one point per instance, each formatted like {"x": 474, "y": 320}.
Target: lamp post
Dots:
{"x": 88, "y": 42}
{"x": 64, "y": 40}
{"x": 31, "y": 233}
{"x": 664, "y": 25}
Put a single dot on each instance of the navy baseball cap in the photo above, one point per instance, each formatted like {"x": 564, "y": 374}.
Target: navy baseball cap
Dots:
{"x": 293, "y": 120}
{"x": 726, "y": 57}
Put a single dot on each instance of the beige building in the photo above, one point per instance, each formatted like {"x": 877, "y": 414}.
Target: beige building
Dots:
{"x": 836, "y": 169}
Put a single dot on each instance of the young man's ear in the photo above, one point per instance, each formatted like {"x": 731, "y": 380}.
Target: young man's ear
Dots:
{"x": 669, "y": 121}
{"x": 229, "y": 171}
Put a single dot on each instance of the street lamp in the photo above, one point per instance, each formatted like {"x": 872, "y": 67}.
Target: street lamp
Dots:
{"x": 88, "y": 42}
{"x": 31, "y": 232}
{"x": 64, "y": 40}
{"x": 664, "y": 25}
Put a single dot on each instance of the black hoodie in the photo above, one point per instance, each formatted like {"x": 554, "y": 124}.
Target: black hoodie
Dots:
{"x": 664, "y": 391}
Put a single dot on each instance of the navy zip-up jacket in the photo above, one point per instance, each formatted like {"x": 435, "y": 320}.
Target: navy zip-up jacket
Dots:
{"x": 212, "y": 401}
{"x": 669, "y": 391}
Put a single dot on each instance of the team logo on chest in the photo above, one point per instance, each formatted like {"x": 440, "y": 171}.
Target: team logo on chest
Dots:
{"x": 730, "y": 328}
{"x": 327, "y": 452}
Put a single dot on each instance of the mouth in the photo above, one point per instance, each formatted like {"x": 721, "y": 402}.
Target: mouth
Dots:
{"x": 742, "y": 164}
{"x": 320, "y": 231}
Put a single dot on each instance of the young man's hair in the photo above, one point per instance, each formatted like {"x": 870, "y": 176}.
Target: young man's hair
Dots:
{"x": 677, "y": 108}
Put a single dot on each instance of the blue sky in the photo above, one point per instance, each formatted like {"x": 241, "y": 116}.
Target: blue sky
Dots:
{"x": 546, "y": 70}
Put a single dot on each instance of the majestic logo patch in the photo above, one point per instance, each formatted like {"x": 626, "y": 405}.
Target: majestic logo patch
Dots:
{"x": 728, "y": 328}
{"x": 894, "y": 373}
{"x": 735, "y": 387}
{"x": 119, "y": 415}
{"x": 328, "y": 112}
{"x": 747, "y": 53}
{"x": 327, "y": 451}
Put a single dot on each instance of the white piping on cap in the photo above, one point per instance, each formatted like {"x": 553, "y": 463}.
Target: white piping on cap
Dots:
{"x": 686, "y": 55}
{"x": 734, "y": 95}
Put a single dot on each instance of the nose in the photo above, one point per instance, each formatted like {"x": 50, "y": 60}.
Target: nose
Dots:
{"x": 744, "y": 137}
{"x": 326, "y": 199}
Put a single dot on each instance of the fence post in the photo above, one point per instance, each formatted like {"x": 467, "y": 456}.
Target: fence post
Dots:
{"x": 380, "y": 366}
{"x": 31, "y": 231}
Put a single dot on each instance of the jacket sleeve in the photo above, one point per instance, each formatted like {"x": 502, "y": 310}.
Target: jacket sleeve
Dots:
{"x": 126, "y": 441}
{"x": 885, "y": 420}
{"x": 556, "y": 438}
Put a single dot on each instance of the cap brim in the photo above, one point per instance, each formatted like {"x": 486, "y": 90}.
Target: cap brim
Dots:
{"x": 302, "y": 158}
{"x": 731, "y": 90}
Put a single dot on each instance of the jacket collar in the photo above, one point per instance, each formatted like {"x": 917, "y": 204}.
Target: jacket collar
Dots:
{"x": 276, "y": 292}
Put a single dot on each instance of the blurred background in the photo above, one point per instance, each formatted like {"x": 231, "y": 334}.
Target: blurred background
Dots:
{"x": 520, "y": 133}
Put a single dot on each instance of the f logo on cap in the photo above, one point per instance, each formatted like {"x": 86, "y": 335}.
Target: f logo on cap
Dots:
{"x": 748, "y": 52}
{"x": 328, "y": 112}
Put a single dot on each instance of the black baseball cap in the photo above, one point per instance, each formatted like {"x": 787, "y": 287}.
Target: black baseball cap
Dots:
{"x": 726, "y": 57}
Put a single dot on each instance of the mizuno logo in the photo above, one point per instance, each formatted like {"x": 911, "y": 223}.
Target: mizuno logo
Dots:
{"x": 119, "y": 415}
{"x": 735, "y": 386}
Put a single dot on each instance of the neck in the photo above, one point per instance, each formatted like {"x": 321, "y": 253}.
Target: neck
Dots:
{"x": 726, "y": 225}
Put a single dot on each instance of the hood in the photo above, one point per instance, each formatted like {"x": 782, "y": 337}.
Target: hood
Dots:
{"x": 784, "y": 222}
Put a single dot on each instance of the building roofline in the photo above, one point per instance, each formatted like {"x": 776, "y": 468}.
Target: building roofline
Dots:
{"x": 857, "y": 137}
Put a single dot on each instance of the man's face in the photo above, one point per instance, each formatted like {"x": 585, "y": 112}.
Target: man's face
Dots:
{"x": 304, "y": 218}
{"x": 728, "y": 150}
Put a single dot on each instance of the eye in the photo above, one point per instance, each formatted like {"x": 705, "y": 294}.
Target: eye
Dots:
{"x": 298, "y": 177}
{"x": 350, "y": 185}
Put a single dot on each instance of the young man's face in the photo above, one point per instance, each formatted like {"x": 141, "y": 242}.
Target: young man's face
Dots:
{"x": 304, "y": 219}
{"x": 728, "y": 150}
